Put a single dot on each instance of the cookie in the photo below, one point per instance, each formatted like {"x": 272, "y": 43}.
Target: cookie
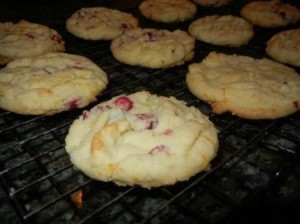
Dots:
{"x": 247, "y": 87}
{"x": 270, "y": 14}
{"x": 212, "y": 3}
{"x": 142, "y": 139}
{"x": 226, "y": 30}
{"x": 100, "y": 23}
{"x": 25, "y": 39}
{"x": 285, "y": 47}
{"x": 50, "y": 83}
{"x": 168, "y": 11}
{"x": 153, "y": 48}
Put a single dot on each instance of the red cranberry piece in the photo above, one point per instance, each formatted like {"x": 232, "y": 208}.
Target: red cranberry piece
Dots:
{"x": 56, "y": 38}
{"x": 150, "y": 36}
{"x": 159, "y": 149}
{"x": 168, "y": 132}
{"x": 29, "y": 35}
{"x": 72, "y": 104}
{"x": 124, "y": 103}
{"x": 124, "y": 26}
{"x": 85, "y": 115}
{"x": 150, "y": 120}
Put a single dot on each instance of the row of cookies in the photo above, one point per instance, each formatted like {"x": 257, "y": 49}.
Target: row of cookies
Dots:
{"x": 130, "y": 139}
{"x": 166, "y": 129}
{"x": 136, "y": 46}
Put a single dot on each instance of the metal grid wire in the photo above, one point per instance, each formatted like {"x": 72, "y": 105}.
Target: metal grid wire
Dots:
{"x": 256, "y": 168}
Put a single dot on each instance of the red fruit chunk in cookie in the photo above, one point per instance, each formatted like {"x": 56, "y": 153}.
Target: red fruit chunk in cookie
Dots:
{"x": 168, "y": 132}
{"x": 85, "y": 115}
{"x": 124, "y": 103}
{"x": 159, "y": 149}
{"x": 56, "y": 38}
{"x": 150, "y": 120}
{"x": 72, "y": 104}
{"x": 29, "y": 35}
{"x": 149, "y": 36}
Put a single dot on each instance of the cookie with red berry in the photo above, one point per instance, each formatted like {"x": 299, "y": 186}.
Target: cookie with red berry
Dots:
{"x": 100, "y": 23}
{"x": 153, "y": 48}
{"x": 222, "y": 30}
{"x": 247, "y": 87}
{"x": 270, "y": 14}
{"x": 142, "y": 139}
{"x": 284, "y": 47}
{"x": 168, "y": 11}
{"x": 25, "y": 39}
{"x": 50, "y": 83}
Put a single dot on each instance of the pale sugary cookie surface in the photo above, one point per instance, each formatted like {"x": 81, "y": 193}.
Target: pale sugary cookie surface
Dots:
{"x": 271, "y": 13}
{"x": 142, "y": 139}
{"x": 285, "y": 47}
{"x": 225, "y": 30}
{"x": 212, "y": 3}
{"x": 247, "y": 87}
{"x": 50, "y": 83}
{"x": 100, "y": 23}
{"x": 25, "y": 39}
{"x": 168, "y": 11}
{"x": 153, "y": 48}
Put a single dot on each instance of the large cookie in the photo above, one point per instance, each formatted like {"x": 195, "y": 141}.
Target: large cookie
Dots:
{"x": 25, "y": 39}
{"x": 168, "y": 11}
{"x": 142, "y": 139}
{"x": 100, "y": 23}
{"x": 224, "y": 30}
{"x": 153, "y": 48}
{"x": 50, "y": 83}
{"x": 285, "y": 47}
{"x": 246, "y": 87}
{"x": 270, "y": 14}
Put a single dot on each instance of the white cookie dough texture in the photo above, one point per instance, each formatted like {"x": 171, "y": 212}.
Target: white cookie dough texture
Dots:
{"x": 142, "y": 139}
{"x": 25, "y": 39}
{"x": 100, "y": 23}
{"x": 168, "y": 11}
{"x": 285, "y": 47}
{"x": 153, "y": 48}
{"x": 226, "y": 30}
{"x": 270, "y": 14}
{"x": 50, "y": 83}
{"x": 212, "y": 3}
{"x": 247, "y": 87}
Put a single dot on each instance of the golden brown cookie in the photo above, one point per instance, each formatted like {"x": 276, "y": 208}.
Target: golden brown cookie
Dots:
{"x": 270, "y": 14}
{"x": 25, "y": 39}
{"x": 168, "y": 11}
{"x": 247, "y": 87}
{"x": 100, "y": 23}
{"x": 285, "y": 47}
{"x": 50, "y": 83}
{"x": 142, "y": 139}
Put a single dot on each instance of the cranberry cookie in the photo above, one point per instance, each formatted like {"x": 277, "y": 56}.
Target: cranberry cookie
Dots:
{"x": 50, "y": 83}
{"x": 168, "y": 11}
{"x": 247, "y": 87}
{"x": 285, "y": 47}
{"x": 100, "y": 23}
{"x": 270, "y": 14}
{"x": 153, "y": 48}
{"x": 25, "y": 39}
{"x": 142, "y": 139}
{"x": 224, "y": 30}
